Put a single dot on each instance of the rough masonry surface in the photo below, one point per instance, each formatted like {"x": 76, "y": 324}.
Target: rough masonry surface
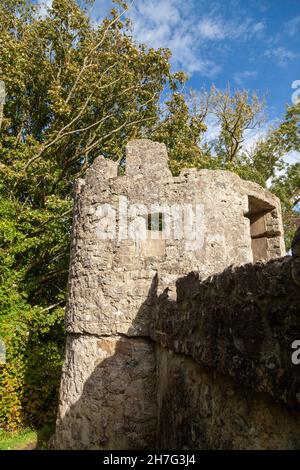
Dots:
{"x": 148, "y": 355}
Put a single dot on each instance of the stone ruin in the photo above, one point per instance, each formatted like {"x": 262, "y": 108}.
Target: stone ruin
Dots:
{"x": 175, "y": 339}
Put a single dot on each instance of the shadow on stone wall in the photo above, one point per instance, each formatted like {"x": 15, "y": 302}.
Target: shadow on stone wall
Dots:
{"x": 241, "y": 323}
{"x": 226, "y": 379}
{"x": 117, "y": 407}
{"x": 216, "y": 373}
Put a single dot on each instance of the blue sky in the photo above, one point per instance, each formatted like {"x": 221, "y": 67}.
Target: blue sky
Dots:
{"x": 249, "y": 43}
{"x": 252, "y": 44}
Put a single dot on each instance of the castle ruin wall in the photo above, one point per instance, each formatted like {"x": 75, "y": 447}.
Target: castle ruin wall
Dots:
{"x": 112, "y": 383}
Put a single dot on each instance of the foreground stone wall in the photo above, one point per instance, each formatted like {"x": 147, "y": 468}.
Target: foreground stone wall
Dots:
{"x": 199, "y": 408}
{"x": 225, "y": 375}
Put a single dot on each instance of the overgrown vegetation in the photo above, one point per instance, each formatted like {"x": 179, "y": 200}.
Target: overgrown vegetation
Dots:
{"x": 17, "y": 441}
{"x": 75, "y": 91}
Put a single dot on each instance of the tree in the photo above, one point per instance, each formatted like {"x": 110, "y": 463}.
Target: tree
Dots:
{"x": 286, "y": 185}
{"x": 235, "y": 113}
{"x": 182, "y": 128}
{"x": 74, "y": 91}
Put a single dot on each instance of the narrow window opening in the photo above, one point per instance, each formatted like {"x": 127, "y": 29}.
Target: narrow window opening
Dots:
{"x": 154, "y": 245}
{"x": 259, "y": 215}
{"x": 155, "y": 222}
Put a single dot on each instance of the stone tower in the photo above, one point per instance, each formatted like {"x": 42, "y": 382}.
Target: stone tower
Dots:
{"x": 133, "y": 236}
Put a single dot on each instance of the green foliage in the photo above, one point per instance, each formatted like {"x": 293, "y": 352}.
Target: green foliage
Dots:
{"x": 285, "y": 184}
{"x": 181, "y": 128}
{"x": 33, "y": 336}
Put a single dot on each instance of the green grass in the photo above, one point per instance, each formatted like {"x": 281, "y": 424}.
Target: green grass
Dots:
{"x": 17, "y": 440}
{"x": 26, "y": 439}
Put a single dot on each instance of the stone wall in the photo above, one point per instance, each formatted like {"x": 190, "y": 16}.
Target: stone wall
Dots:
{"x": 110, "y": 278}
{"x": 225, "y": 375}
{"x": 199, "y": 408}
{"x": 108, "y": 394}
{"x": 127, "y": 328}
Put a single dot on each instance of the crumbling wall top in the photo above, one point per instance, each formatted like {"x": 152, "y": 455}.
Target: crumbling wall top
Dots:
{"x": 147, "y": 158}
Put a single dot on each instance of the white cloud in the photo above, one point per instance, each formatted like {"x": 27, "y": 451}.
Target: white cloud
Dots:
{"x": 240, "y": 77}
{"x": 293, "y": 26}
{"x": 210, "y": 29}
{"x": 213, "y": 128}
{"x": 167, "y": 24}
{"x": 187, "y": 32}
{"x": 158, "y": 12}
{"x": 252, "y": 136}
{"x": 258, "y": 27}
{"x": 292, "y": 157}
{"x": 218, "y": 28}
{"x": 281, "y": 55}
{"x": 44, "y": 5}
